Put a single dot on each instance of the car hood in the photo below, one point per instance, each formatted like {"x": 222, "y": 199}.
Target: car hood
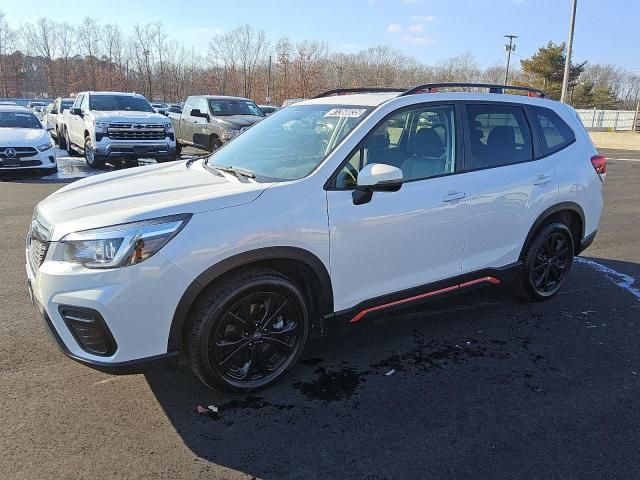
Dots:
{"x": 142, "y": 193}
{"x": 239, "y": 121}
{"x": 22, "y": 137}
{"x": 128, "y": 116}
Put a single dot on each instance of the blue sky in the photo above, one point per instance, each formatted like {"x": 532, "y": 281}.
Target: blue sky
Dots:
{"x": 606, "y": 31}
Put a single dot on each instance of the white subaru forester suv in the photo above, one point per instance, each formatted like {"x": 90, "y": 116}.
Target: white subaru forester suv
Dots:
{"x": 335, "y": 209}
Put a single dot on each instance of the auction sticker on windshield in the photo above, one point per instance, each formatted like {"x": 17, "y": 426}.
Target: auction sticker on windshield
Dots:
{"x": 345, "y": 112}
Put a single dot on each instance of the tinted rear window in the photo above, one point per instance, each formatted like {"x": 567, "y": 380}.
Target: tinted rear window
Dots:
{"x": 555, "y": 134}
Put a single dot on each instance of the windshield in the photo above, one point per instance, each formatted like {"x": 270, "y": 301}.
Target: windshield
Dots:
{"x": 104, "y": 103}
{"x": 226, "y": 107}
{"x": 65, "y": 104}
{"x": 19, "y": 120}
{"x": 292, "y": 142}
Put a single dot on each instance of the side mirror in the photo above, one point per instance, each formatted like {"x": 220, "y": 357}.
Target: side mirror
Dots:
{"x": 197, "y": 113}
{"x": 75, "y": 111}
{"x": 376, "y": 177}
{"x": 54, "y": 112}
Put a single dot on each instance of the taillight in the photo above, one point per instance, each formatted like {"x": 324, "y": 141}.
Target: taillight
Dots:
{"x": 599, "y": 162}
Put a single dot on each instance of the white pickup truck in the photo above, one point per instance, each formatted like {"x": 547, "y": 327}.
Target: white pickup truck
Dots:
{"x": 117, "y": 126}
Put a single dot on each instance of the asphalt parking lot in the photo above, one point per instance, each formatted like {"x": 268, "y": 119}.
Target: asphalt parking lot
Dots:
{"x": 484, "y": 386}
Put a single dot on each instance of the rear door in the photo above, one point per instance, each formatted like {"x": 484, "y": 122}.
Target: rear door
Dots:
{"x": 511, "y": 183}
{"x": 187, "y": 121}
{"x": 76, "y": 122}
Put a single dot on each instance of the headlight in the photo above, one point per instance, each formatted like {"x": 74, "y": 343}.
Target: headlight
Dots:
{"x": 119, "y": 245}
{"x": 230, "y": 133}
{"x": 44, "y": 146}
{"x": 168, "y": 128}
{"x": 101, "y": 127}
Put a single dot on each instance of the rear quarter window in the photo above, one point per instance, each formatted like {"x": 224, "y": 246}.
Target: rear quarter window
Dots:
{"x": 554, "y": 133}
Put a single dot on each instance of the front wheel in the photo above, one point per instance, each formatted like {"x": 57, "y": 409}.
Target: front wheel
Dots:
{"x": 547, "y": 262}
{"x": 248, "y": 331}
{"x": 214, "y": 144}
{"x": 93, "y": 160}
{"x": 68, "y": 144}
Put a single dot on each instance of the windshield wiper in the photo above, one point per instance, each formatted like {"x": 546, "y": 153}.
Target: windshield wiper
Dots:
{"x": 238, "y": 172}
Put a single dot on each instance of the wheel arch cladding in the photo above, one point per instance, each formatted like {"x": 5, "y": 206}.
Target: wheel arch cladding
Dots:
{"x": 569, "y": 213}
{"x": 302, "y": 266}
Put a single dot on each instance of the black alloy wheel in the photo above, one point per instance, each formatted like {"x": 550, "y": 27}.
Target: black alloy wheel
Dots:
{"x": 547, "y": 263}
{"x": 247, "y": 331}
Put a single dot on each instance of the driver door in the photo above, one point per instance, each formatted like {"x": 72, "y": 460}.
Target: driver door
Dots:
{"x": 409, "y": 238}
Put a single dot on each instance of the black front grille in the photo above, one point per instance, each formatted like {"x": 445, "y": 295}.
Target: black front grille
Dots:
{"x": 136, "y": 132}
{"x": 20, "y": 152}
{"x": 89, "y": 329}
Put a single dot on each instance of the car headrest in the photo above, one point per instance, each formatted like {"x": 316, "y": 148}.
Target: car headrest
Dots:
{"x": 427, "y": 143}
{"x": 502, "y": 137}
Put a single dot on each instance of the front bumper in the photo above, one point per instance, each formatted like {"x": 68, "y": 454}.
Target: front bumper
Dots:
{"x": 126, "y": 149}
{"x": 46, "y": 159}
{"x": 137, "y": 304}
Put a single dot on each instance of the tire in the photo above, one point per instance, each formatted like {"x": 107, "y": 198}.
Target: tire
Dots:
{"x": 93, "y": 160}
{"x": 214, "y": 143}
{"x": 178, "y": 148}
{"x": 547, "y": 262}
{"x": 61, "y": 140}
{"x": 227, "y": 350}
{"x": 68, "y": 144}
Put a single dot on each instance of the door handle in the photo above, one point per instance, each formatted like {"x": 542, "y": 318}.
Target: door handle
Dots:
{"x": 541, "y": 179}
{"x": 454, "y": 196}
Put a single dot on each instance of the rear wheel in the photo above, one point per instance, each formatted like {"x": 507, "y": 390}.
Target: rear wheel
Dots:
{"x": 93, "y": 160}
{"x": 248, "y": 331}
{"x": 547, "y": 262}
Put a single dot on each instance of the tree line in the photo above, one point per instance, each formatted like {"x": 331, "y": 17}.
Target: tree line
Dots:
{"x": 47, "y": 58}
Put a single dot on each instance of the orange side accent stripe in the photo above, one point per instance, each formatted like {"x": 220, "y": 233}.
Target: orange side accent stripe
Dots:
{"x": 360, "y": 315}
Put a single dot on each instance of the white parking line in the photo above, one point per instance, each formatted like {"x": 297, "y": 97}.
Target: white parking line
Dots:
{"x": 623, "y": 159}
{"x": 620, "y": 279}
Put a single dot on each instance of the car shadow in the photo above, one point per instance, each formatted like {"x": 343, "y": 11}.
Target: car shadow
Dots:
{"x": 482, "y": 386}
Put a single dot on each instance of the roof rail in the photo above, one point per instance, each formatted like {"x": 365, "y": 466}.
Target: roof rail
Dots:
{"x": 493, "y": 88}
{"x": 343, "y": 91}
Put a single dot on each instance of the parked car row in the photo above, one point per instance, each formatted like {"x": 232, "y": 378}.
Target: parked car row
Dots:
{"x": 108, "y": 126}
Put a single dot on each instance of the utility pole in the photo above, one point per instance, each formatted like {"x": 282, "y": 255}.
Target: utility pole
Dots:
{"x": 511, "y": 47}
{"x": 567, "y": 62}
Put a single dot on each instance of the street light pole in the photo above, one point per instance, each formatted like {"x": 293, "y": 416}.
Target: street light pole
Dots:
{"x": 510, "y": 48}
{"x": 567, "y": 62}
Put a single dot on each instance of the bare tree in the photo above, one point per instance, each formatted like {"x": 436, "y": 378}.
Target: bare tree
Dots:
{"x": 89, "y": 43}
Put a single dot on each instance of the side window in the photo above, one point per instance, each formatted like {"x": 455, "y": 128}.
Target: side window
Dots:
{"x": 203, "y": 105}
{"x": 555, "y": 134}
{"x": 420, "y": 141}
{"x": 78, "y": 101}
{"x": 85, "y": 103}
{"x": 499, "y": 135}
